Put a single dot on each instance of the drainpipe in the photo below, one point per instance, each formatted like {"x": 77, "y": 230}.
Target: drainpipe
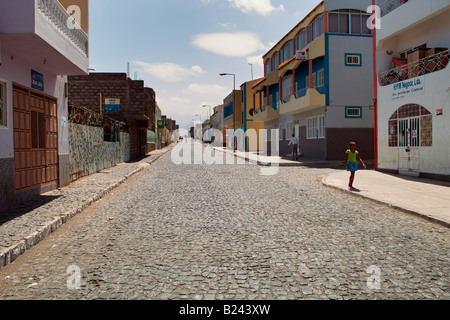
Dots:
{"x": 375, "y": 85}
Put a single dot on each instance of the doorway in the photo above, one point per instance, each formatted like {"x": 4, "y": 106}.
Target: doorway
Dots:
{"x": 35, "y": 139}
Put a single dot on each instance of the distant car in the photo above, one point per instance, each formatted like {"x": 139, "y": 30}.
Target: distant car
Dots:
{"x": 180, "y": 138}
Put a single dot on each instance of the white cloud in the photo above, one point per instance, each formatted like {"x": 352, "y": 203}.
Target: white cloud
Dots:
{"x": 239, "y": 44}
{"x": 214, "y": 92}
{"x": 169, "y": 72}
{"x": 263, "y": 7}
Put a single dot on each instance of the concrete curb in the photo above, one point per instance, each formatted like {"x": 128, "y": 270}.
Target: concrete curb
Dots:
{"x": 408, "y": 211}
{"x": 12, "y": 253}
{"x": 329, "y": 164}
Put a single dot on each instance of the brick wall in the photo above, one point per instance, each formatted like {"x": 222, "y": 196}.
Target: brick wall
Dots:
{"x": 136, "y": 102}
{"x": 338, "y": 141}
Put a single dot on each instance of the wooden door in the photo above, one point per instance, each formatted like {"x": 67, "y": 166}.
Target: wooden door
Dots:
{"x": 35, "y": 139}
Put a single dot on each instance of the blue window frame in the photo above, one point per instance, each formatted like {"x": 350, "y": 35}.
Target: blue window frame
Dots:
{"x": 353, "y": 112}
{"x": 353, "y": 59}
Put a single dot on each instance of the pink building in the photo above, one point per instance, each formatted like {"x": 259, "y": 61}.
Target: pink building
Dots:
{"x": 40, "y": 44}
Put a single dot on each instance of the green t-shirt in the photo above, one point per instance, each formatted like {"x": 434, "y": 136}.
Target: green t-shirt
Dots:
{"x": 352, "y": 156}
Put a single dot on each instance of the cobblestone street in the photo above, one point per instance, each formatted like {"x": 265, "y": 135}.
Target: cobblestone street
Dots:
{"x": 206, "y": 232}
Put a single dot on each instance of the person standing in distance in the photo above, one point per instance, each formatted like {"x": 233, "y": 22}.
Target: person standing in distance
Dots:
{"x": 352, "y": 165}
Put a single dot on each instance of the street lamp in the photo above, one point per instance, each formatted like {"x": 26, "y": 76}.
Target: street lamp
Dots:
{"x": 230, "y": 74}
{"x": 209, "y": 115}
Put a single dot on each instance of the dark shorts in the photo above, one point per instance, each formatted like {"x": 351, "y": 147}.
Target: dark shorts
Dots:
{"x": 353, "y": 166}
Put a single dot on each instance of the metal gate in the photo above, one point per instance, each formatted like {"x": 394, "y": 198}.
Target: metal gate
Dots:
{"x": 409, "y": 143}
{"x": 35, "y": 139}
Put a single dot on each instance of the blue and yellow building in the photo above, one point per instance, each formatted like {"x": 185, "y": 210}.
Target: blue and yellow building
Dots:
{"x": 318, "y": 83}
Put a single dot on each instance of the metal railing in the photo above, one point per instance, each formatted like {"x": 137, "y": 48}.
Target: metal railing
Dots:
{"x": 58, "y": 15}
{"x": 390, "y": 5}
{"x": 301, "y": 93}
{"x": 87, "y": 117}
{"x": 414, "y": 69}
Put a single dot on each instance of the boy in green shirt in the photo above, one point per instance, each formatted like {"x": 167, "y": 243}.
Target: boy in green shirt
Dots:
{"x": 352, "y": 166}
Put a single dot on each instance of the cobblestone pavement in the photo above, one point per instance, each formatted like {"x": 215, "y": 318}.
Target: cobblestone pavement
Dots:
{"x": 226, "y": 232}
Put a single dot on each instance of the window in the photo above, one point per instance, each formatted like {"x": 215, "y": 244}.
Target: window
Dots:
{"x": 289, "y": 130}
{"x": 320, "y": 78}
{"x": 321, "y": 127}
{"x": 3, "y": 106}
{"x": 348, "y": 22}
{"x": 286, "y": 53}
{"x": 353, "y": 59}
{"x": 315, "y": 128}
{"x": 281, "y": 132}
{"x": 287, "y": 88}
{"x": 316, "y": 28}
{"x": 300, "y": 40}
{"x": 307, "y": 81}
{"x": 268, "y": 66}
{"x": 353, "y": 112}
{"x": 275, "y": 62}
{"x": 311, "y": 128}
{"x": 314, "y": 80}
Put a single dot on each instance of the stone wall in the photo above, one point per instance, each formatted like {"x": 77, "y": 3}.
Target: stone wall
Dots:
{"x": 90, "y": 154}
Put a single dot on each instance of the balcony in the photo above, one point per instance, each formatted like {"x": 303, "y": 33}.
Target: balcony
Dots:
{"x": 390, "y": 5}
{"x": 56, "y": 13}
{"x": 303, "y": 100}
{"x": 43, "y": 33}
{"x": 400, "y": 16}
{"x": 266, "y": 113}
{"x": 427, "y": 65}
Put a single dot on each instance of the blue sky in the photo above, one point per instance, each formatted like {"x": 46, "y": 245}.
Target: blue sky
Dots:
{"x": 179, "y": 47}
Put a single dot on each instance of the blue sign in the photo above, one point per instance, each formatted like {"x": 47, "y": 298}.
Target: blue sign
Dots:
{"x": 37, "y": 80}
{"x": 112, "y": 105}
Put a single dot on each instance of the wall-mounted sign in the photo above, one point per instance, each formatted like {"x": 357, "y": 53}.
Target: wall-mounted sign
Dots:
{"x": 112, "y": 105}
{"x": 408, "y": 88}
{"x": 37, "y": 80}
{"x": 302, "y": 55}
{"x": 161, "y": 124}
{"x": 439, "y": 112}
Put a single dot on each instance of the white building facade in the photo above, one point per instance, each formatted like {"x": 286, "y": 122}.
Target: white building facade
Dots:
{"x": 40, "y": 44}
{"x": 413, "y": 88}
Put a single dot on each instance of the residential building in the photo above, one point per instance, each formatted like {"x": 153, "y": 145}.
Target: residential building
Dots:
{"x": 318, "y": 83}
{"x": 217, "y": 118}
{"x": 413, "y": 87}
{"x": 238, "y": 114}
{"x": 40, "y": 44}
{"x": 122, "y": 99}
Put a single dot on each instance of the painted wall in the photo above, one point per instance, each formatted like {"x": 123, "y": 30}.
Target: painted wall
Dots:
{"x": 350, "y": 85}
{"x": 434, "y": 159}
{"x": 90, "y": 154}
{"x": 402, "y": 32}
{"x": 19, "y": 71}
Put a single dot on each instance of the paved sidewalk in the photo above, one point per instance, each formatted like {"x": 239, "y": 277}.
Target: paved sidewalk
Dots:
{"x": 263, "y": 160}
{"x": 29, "y": 223}
{"x": 429, "y": 199}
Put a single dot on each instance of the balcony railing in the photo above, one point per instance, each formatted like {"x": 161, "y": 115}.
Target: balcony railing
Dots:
{"x": 56, "y": 13}
{"x": 390, "y": 5}
{"x": 301, "y": 93}
{"x": 414, "y": 69}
